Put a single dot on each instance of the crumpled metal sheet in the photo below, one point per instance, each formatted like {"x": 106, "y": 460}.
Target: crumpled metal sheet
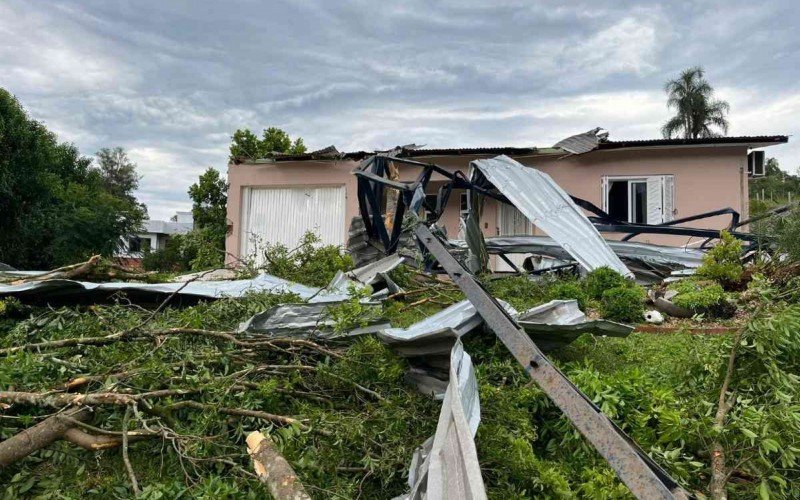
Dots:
{"x": 307, "y": 319}
{"x": 59, "y": 289}
{"x": 551, "y": 209}
{"x": 677, "y": 257}
{"x": 582, "y": 143}
{"x": 375, "y": 273}
{"x": 446, "y": 466}
{"x": 649, "y": 263}
{"x": 559, "y": 322}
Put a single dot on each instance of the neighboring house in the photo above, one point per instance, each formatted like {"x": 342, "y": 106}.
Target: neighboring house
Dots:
{"x": 652, "y": 181}
{"x": 154, "y": 237}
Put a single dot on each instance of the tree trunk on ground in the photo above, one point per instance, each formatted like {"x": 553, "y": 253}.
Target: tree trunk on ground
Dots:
{"x": 273, "y": 470}
{"x": 40, "y": 435}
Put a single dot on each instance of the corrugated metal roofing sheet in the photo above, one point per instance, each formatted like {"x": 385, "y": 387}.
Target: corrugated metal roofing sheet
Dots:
{"x": 58, "y": 289}
{"x": 551, "y": 209}
{"x": 580, "y": 143}
{"x": 627, "y": 251}
{"x": 446, "y": 466}
{"x": 744, "y": 140}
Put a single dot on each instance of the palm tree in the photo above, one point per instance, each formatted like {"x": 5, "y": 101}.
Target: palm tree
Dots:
{"x": 697, "y": 110}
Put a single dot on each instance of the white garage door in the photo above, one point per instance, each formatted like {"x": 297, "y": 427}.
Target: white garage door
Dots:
{"x": 283, "y": 215}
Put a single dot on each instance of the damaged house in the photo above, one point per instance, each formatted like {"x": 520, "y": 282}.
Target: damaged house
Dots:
{"x": 642, "y": 181}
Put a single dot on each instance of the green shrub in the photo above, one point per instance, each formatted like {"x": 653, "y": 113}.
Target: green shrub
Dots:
{"x": 310, "y": 263}
{"x": 722, "y": 263}
{"x": 520, "y": 291}
{"x": 602, "y": 279}
{"x": 786, "y": 231}
{"x": 622, "y": 303}
{"x": 171, "y": 258}
{"x": 566, "y": 290}
{"x": 701, "y": 296}
{"x": 201, "y": 248}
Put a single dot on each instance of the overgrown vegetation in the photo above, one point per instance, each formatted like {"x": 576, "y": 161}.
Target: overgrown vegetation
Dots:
{"x": 358, "y": 423}
{"x": 722, "y": 263}
{"x": 56, "y": 208}
{"x": 623, "y": 303}
{"x": 309, "y": 262}
{"x": 701, "y": 297}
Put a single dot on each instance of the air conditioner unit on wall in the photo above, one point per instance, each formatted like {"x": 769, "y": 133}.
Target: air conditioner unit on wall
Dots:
{"x": 756, "y": 164}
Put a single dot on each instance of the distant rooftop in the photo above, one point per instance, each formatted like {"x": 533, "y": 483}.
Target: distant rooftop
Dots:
{"x": 182, "y": 224}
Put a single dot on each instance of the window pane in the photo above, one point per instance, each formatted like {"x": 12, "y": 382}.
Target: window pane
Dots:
{"x": 618, "y": 200}
{"x": 639, "y": 202}
{"x": 463, "y": 202}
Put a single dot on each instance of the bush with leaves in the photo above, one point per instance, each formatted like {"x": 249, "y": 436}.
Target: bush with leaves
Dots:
{"x": 623, "y": 303}
{"x": 310, "y": 263}
{"x": 723, "y": 262}
{"x": 568, "y": 290}
{"x": 602, "y": 279}
{"x": 701, "y": 297}
{"x": 169, "y": 259}
{"x": 201, "y": 248}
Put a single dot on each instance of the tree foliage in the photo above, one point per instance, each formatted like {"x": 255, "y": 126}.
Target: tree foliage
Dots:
{"x": 698, "y": 113}
{"x": 247, "y": 145}
{"x": 118, "y": 172}
{"x": 56, "y": 208}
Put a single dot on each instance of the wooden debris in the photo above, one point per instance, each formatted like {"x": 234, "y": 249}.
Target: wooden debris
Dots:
{"x": 273, "y": 470}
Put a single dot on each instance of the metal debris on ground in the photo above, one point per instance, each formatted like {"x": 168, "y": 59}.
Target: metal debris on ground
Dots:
{"x": 446, "y": 465}
{"x": 304, "y": 319}
{"x": 649, "y": 263}
{"x": 560, "y": 322}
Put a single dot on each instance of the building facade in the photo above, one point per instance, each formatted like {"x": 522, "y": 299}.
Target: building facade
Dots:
{"x": 639, "y": 181}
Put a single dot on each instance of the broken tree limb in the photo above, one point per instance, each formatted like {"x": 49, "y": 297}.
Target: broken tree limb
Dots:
{"x": 40, "y": 435}
{"x": 273, "y": 470}
{"x": 61, "y": 400}
{"x": 64, "y": 273}
{"x": 238, "y": 412}
{"x": 125, "y": 459}
{"x": 140, "y": 335}
{"x": 94, "y": 442}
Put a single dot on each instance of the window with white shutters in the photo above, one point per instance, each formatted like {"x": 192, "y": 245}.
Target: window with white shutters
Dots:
{"x": 639, "y": 200}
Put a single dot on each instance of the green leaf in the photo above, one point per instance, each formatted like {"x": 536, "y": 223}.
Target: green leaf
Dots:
{"x": 763, "y": 490}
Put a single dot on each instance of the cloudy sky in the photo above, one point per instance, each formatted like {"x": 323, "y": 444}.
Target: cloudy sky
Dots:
{"x": 171, "y": 80}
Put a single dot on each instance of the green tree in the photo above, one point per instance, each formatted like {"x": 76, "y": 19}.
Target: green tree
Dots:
{"x": 118, "y": 172}
{"x": 246, "y": 145}
{"x": 210, "y": 202}
{"x": 55, "y": 208}
{"x": 697, "y": 111}
{"x": 209, "y": 209}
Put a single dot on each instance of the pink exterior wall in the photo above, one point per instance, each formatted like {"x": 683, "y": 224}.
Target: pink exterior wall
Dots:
{"x": 285, "y": 174}
{"x": 706, "y": 178}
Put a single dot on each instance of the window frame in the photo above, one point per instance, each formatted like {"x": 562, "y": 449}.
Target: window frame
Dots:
{"x": 667, "y": 205}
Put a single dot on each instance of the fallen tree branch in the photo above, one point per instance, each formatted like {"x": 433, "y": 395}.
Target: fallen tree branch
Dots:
{"x": 129, "y": 335}
{"x": 40, "y": 435}
{"x": 132, "y": 475}
{"x": 64, "y": 273}
{"x": 273, "y": 470}
{"x": 94, "y": 442}
{"x": 238, "y": 412}
{"x": 61, "y": 400}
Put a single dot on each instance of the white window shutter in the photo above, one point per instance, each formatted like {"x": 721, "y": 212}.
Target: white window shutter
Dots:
{"x": 669, "y": 197}
{"x": 655, "y": 197}
{"x": 604, "y": 194}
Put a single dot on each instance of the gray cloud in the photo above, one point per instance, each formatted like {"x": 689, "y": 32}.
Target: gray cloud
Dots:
{"x": 170, "y": 81}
